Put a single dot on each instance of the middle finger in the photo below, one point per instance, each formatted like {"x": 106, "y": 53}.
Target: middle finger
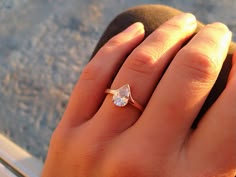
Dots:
{"x": 185, "y": 85}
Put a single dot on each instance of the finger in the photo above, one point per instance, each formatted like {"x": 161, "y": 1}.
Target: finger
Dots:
{"x": 217, "y": 131}
{"x": 186, "y": 84}
{"x": 143, "y": 69}
{"x": 88, "y": 93}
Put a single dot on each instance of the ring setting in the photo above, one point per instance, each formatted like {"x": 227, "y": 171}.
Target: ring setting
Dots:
{"x": 122, "y": 96}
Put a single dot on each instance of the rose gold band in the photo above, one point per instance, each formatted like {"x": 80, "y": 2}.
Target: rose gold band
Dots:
{"x": 110, "y": 91}
{"x": 135, "y": 104}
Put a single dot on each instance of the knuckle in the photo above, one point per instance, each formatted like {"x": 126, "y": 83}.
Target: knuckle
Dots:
{"x": 142, "y": 61}
{"x": 112, "y": 44}
{"x": 173, "y": 26}
{"x": 116, "y": 41}
{"x": 162, "y": 36}
{"x": 165, "y": 32}
{"x": 210, "y": 42}
{"x": 201, "y": 66}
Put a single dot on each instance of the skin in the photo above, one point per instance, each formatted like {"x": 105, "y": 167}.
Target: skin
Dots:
{"x": 95, "y": 138}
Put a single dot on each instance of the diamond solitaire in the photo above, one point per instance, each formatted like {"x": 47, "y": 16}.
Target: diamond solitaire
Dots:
{"x": 122, "y": 96}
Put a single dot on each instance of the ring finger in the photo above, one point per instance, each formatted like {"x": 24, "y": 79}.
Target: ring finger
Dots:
{"x": 143, "y": 69}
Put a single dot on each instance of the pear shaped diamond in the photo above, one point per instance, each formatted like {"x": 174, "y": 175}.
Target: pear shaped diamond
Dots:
{"x": 121, "y": 96}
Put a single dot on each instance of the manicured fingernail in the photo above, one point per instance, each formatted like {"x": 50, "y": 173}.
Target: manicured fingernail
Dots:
{"x": 135, "y": 28}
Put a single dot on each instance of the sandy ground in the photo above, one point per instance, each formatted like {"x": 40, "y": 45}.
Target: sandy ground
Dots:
{"x": 44, "y": 45}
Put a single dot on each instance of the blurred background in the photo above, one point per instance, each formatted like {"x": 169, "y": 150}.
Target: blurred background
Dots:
{"x": 44, "y": 45}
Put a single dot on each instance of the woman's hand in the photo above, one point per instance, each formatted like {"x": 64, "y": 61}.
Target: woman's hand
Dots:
{"x": 95, "y": 138}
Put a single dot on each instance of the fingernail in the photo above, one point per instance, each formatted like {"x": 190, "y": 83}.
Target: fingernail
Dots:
{"x": 230, "y": 35}
{"x": 189, "y": 18}
{"x": 222, "y": 27}
{"x": 135, "y": 28}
